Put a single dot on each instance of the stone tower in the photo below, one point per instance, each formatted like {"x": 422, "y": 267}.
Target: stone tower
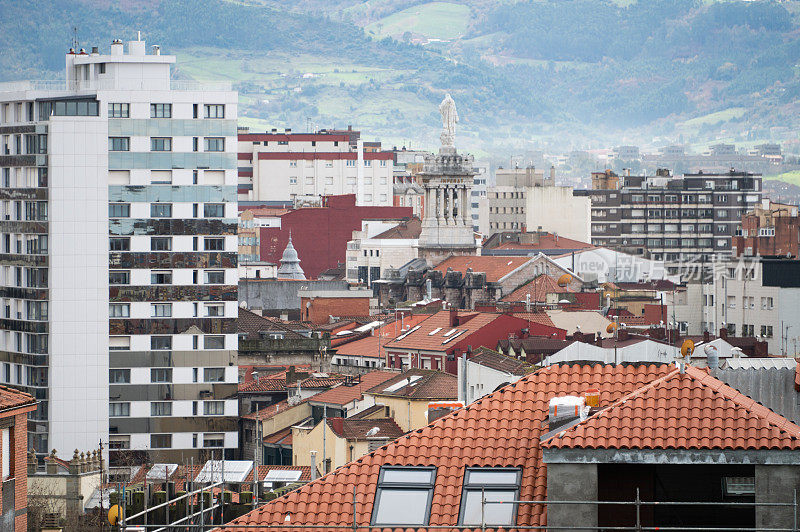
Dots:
{"x": 447, "y": 180}
{"x": 290, "y": 263}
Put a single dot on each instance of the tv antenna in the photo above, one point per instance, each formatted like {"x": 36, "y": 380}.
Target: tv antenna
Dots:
{"x": 75, "y": 37}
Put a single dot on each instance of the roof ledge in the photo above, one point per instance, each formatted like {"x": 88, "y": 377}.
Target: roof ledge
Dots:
{"x": 671, "y": 456}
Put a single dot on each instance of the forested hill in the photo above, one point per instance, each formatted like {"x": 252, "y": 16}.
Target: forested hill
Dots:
{"x": 528, "y": 74}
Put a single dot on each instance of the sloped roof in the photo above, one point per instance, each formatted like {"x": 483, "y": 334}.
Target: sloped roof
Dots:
{"x": 406, "y": 229}
{"x": 305, "y": 471}
{"x": 692, "y": 410}
{"x": 538, "y": 289}
{"x": 357, "y": 429}
{"x": 272, "y": 410}
{"x": 263, "y": 385}
{"x": 495, "y": 268}
{"x": 535, "y": 317}
{"x": 343, "y": 394}
{"x": 428, "y": 384}
{"x": 432, "y": 334}
{"x": 374, "y": 345}
{"x": 252, "y": 324}
{"x": 501, "y": 429}
{"x": 500, "y": 362}
{"x": 12, "y": 398}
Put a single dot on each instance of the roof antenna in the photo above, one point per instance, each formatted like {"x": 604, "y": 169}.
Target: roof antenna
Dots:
{"x": 139, "y": 35}
{"x": 75, "y": 37}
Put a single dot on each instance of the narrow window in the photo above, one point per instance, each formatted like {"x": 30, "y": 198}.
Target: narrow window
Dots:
{"x": 497, "y": 486}
{"x": 403, "y": 497}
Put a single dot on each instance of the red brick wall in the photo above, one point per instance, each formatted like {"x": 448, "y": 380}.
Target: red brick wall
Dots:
{"x": 19, "y": 461}
{"x": 320, "y": 309}
{"x": 320, "y": 234}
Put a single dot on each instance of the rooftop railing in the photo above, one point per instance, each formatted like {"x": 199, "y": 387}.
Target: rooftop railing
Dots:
{"x": 55, "y": 85}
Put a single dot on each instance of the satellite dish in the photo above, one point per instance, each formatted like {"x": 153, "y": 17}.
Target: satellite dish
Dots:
{"x": 243, "y": 304}
{"x": 564, "y": 280}
{"x": 372, "y": 432}
{"x": 687, "y": 348}
{"x": 611, "y": 328}
{"x": 564, "y": 301}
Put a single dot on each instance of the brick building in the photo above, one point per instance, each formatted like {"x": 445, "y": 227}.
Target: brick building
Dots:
{"x": 770, "y": 230}
{"x": 14, "y": 409}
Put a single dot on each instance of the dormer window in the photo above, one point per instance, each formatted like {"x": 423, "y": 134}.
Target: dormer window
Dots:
{"x": 403, "y": 497}
{"x": 497, "y": 485}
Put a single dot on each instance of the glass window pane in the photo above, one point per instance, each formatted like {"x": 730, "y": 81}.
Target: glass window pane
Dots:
{"x": 408, "y": 476}
{"x": 492, "y": 477}
{"x": 494, "y": 514}
{"x": 401, "y": 507}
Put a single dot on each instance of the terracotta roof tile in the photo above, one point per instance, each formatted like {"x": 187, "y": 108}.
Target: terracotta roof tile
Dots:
{"x": 281, "y": 437}
{"x": 428, "y": 384}
{"x": 405, "y": 229}
{"x": 492, "y": 359}
{"x": 270, "y": 411}
{"x": 263, "y": 385}
{"x": 323, "y": 382}
{"x": 13, "y": 398}
{"x": 692, "y": 410}
{"x": 432, "y": 333}
{"x": 374, "y": 346}
{"x": 535, "y": 317}
{"x": 501, "y": 429}
{"x": 357, "y": 429}
{"x": 797, "y": 377}
{"x": 495, "y": 268}
{"x": 264, "y": 469}
{"x": 343, "y": 394}
{"x": 252, "y": 325}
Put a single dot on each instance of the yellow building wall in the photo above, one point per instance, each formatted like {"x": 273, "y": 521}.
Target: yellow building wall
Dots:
{"x": 399, "y": 410}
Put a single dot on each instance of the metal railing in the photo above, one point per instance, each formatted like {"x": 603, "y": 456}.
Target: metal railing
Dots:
{"x": 94, "y": 85}
{"x": 637, "y": 504}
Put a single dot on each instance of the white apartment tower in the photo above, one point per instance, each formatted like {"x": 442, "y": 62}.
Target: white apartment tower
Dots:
{"x": 118, "y": 256}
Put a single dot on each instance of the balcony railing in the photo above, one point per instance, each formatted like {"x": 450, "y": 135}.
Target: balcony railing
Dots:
{"x": 94, "y": 85}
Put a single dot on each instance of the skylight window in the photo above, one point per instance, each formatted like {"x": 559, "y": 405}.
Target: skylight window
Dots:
{"x": 436, "y": 330}
{"x": 405, "y": 382}
{"x": 451, "y": 331}
{"x": 497, "y": 485}
{"x": 411, "y": 330}
{"x": 453, "y": 337}
{"x": 403, "y": 497}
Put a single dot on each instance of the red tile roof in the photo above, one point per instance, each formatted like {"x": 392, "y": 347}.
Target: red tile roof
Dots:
{"x": 406, "y": 229}
{"x": 501, "y": 429}
{"x": 12, "y": 398}
{"x": 797, "y": 377}
{"x": 322, "y": 382}
{"x": 374, "y": 346}
{"x": 495, "y": 268}
{"x": 432, "y": 333}
{"x": 535, "y": 317}
{"x": 357, "y": 429}
{"x": 538, "y": 289}
{"x": 281, "y": 437}
{"x": 264, "y": 469}
{"x": 500, "y": 362}
{"x": 683, "y": 411}
{"x": 252, "y": 325}
{"x": 430, "y": 385}
{"x": 342, "y": 394}
{"x": 272, "y": 410}
{"x": 264, "y": 385}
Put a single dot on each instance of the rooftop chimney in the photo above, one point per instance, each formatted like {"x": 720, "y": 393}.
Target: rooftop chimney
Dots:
{"x": 453, "y": 317}
{"x": 116, "y": 47}
{"x": 95, "y": 50}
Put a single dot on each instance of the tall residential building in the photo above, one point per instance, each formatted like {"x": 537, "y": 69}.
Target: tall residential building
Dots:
{"x": 118, "y": 264}
{"x": 684, "y": 221}
{"x": 292, "y": 166}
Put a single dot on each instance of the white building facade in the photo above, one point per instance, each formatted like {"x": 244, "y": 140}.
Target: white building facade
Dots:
{"x": 291, "y": 166}
{"x": 119, "y": 267}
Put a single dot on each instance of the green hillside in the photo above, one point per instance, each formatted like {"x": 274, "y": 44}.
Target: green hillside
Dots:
{"x": 526, "y": 75}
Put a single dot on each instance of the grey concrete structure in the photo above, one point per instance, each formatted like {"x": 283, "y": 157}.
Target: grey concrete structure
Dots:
{"x": 777, "y": 484}
{"x": 571, "y": 482}
{"x": 280, "y": 297}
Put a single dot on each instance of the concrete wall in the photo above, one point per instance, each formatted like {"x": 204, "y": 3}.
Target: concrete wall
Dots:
{"x": 399, "y": 411}
{"x": 776, "y": 483}
{"x": 571, "y": 482}
{"x": 271, "y": 294}
{"x": 556, "y": 210}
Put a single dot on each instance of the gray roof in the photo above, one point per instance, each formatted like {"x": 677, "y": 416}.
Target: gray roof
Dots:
{"x": 290, "y": 263}
{"x": 772, "y": 387}
{"x": 760, "y": 363}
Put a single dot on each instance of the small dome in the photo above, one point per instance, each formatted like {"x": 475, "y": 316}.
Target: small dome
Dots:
{"x": 290, "y": 263}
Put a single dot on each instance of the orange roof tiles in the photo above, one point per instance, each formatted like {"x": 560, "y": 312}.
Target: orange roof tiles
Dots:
{"x": 264, "y": 469}
{"x": 495, "y": 268}
{"x": 430, "y": 385}
{"x": 264, "y": 385}
{"x": 12, "y": 398}
{"x": 374, "y": 346}
{"x": 501, "y": 429}
{"x": 535, "y": 317}
{"x": 683, "y": 411}
{"x": 431, "y": 333}
{"x": 342, "y": 394}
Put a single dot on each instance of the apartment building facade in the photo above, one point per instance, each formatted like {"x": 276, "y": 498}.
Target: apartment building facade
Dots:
{"x": 684, "y": 221}
{"x": 290, "y": 166}
{"x": 119, "y": 249}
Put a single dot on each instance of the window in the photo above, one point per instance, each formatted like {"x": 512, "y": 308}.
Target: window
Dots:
{"x": 119, "y": 310}
{"x": 161, "y": 310}
{"x": 351, "y": 162}
{"x": 293, "y": 180}
{"x": 214, "y": 244}
{"x": 213, "y": 408}
{"x": 161, "y": 277}
{"x": 766, "y": 331}
{"x": 160, "y": 441}
{"x": 215, "y": 277}
{"x": 119, "y": 409}
{"x": 214, "y": 143}
{"x": 160, "y": 408}
{"x": 215, "y": 310}
{"x": 496, "y": 485}
{"x": 214, "y": 210}
{"x": 119, "y": 144}
{"x": 213, "y": 342}
{"x": 213, "y": 440}
{"x": 161, "y": 243}
{"x": 119, "y": 376}
{"x": 119, "y": 277}
{"x": 119, "y": 343}
{"x": 161, "y": 375}
{"x": 160, "y": 144}
{"x": 118, "y": 442}
{"x": 119, "y": 110}
{"x": 214, "y": 375}
{"x": 160, "y": 343}
{"x": 403, "y": 496}
{"x": 214, "y": 111}
{"x": 120, "y": 244}
{"x": 119, "y": 210}
{"x": 160, "y": 110}
{"x": 766, "y": 303}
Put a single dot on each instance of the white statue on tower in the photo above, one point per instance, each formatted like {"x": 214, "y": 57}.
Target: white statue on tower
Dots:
{"x": 449, "y": 120}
